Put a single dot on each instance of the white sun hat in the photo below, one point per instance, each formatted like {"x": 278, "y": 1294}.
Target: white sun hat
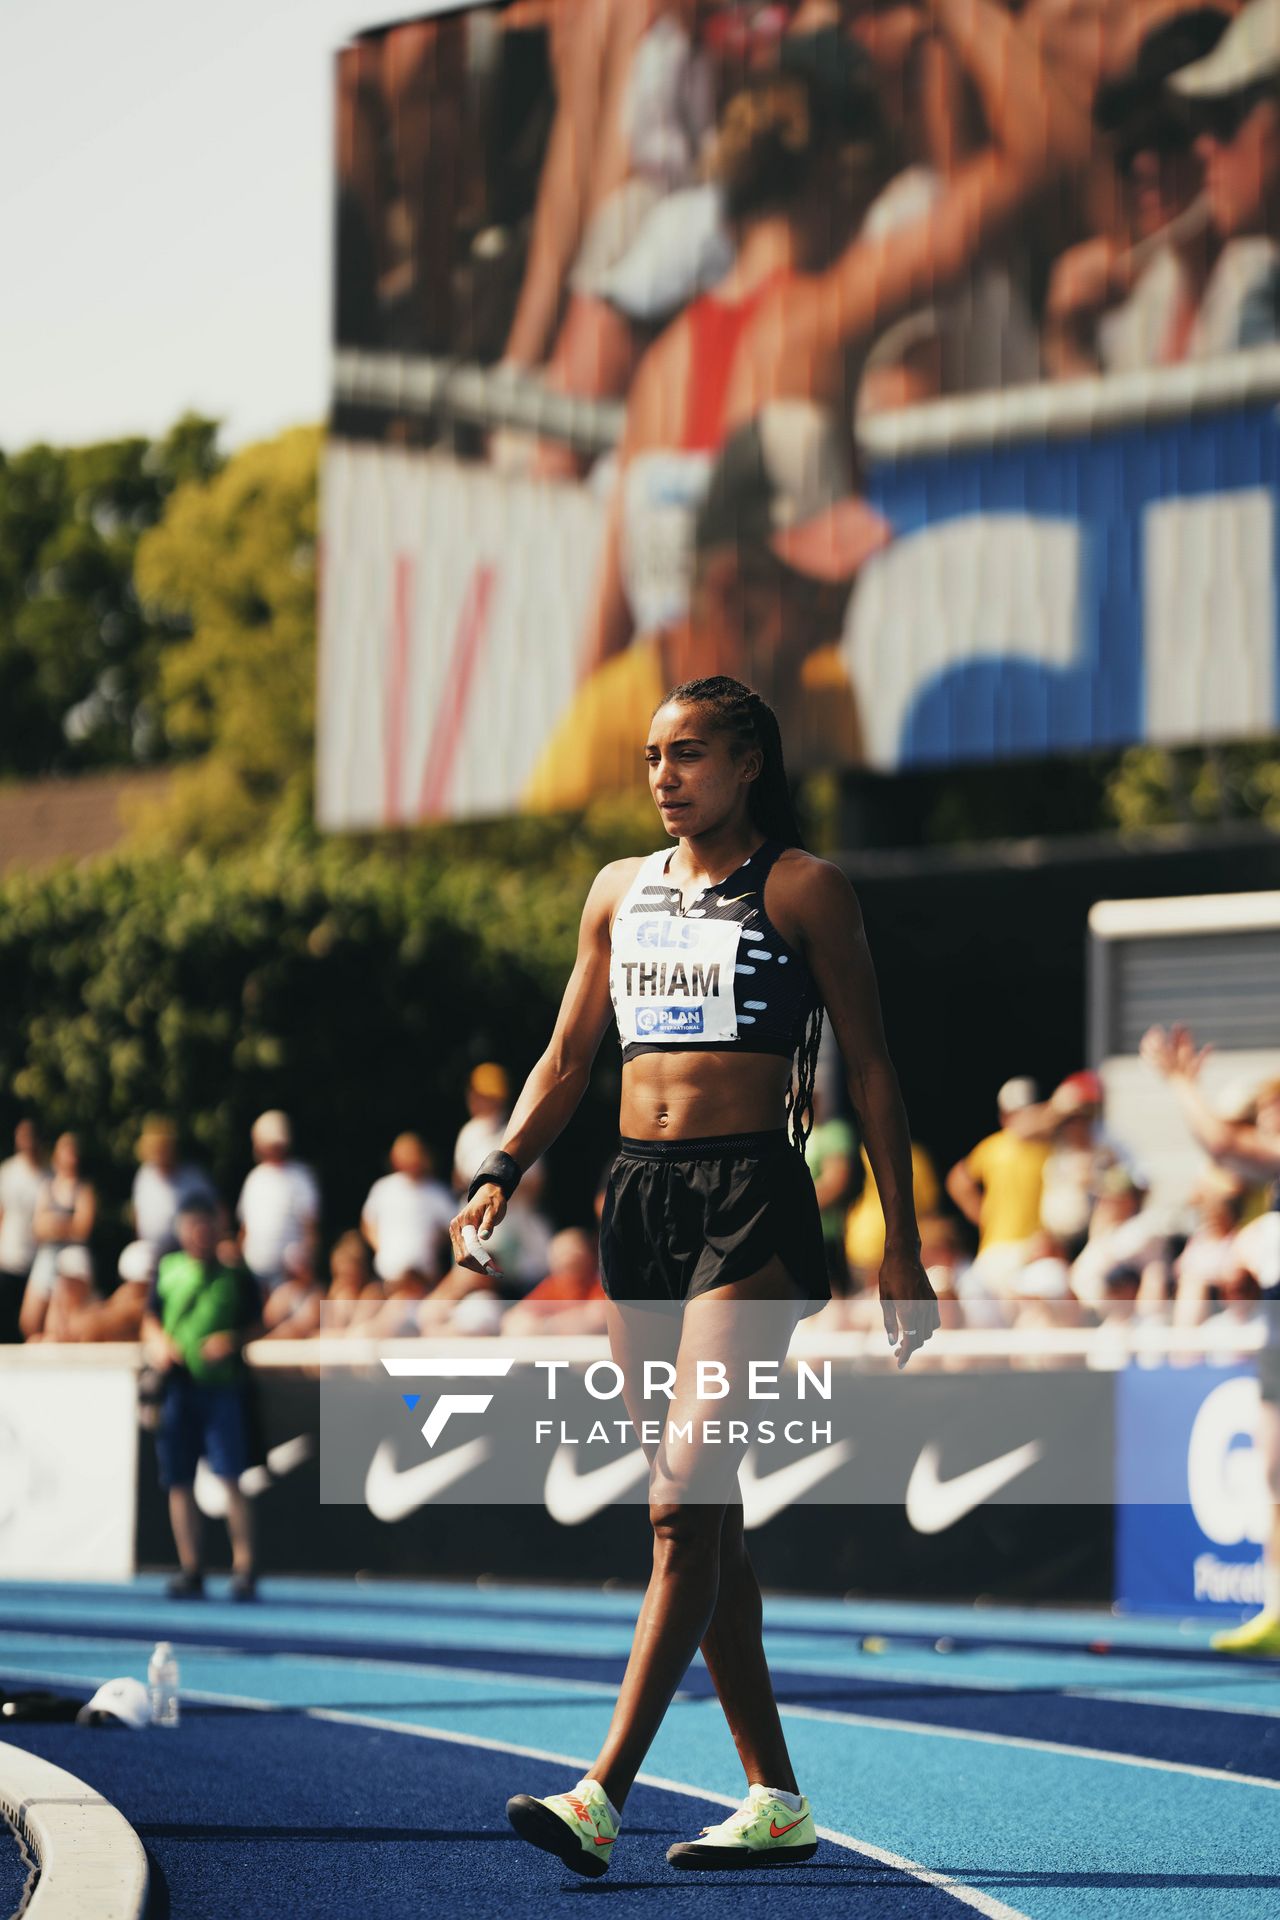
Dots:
{"x": 125, "y": 1700}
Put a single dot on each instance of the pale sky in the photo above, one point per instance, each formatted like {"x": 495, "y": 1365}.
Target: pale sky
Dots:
{"x": 165, "y": 212}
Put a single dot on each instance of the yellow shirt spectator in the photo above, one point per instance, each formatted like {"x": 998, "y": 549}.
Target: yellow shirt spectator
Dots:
{"x": 864, "y": 1228}
{"x": 1010, "y": 1171}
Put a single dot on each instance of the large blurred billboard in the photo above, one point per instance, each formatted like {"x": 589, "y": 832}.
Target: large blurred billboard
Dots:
{"x": 917, "y": 366}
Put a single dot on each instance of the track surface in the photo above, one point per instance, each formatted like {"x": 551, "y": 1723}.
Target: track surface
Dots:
{"x": 348, "y": 1747}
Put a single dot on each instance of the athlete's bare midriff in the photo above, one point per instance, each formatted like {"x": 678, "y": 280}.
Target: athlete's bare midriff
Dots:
{"x": 692, "y": 1095}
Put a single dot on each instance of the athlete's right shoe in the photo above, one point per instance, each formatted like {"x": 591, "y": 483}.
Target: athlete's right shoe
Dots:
{"x": 762, "y": 1832}
{"x": 1259, "y": 1636}
{"x": 576, "y": 1826}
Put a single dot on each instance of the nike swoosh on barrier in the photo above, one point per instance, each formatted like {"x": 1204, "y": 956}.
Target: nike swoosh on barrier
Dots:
{"x": 391, "y": 1492}
{"x": 934, "y": 1504}
{"x": 573, "y": 1497}
{"x": 763, "y": 1496}
{"x": 211, "y": 1493}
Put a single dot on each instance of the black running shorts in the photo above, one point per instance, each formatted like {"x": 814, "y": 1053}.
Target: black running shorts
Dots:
{"x": 683, "y": 1216}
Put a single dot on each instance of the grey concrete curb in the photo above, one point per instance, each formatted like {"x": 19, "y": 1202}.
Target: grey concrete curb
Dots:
{"x": 91, "y": 1860}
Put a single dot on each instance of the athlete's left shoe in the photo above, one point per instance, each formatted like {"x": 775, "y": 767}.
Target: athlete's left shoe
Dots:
{"x": 762, "y": 1832}
{"x": 576, "y": 1826}
{"x": 1259, "y": 1636}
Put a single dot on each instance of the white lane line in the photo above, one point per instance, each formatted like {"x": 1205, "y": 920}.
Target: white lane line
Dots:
{"x": 1172, "y": 1700}
{"x": 973, "y": 1897}
{"x": 1027, "y": 1744}
{"x": 780, "y": 1665}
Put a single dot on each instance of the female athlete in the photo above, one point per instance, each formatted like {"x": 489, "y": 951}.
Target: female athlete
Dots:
{"x": 717, "y": 958}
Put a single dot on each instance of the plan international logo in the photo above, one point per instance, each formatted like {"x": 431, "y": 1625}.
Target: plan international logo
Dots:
{"x": 669, "y": 1019}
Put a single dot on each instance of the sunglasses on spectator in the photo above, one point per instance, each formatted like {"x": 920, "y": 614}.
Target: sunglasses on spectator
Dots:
{"x": 1223, "y": 119}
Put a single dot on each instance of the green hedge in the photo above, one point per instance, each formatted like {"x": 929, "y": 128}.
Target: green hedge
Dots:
{"x": 355, "y": 989}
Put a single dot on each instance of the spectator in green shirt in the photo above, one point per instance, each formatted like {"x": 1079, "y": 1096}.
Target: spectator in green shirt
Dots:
{"x": 199, "y": 1318}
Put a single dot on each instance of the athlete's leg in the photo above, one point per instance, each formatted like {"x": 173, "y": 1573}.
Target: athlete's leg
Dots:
{"x": 691, "y": 1485}
{"x": 733, "y": 1648}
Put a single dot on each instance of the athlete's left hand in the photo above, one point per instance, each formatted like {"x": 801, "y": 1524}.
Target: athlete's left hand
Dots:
{"x": 908, "y": 1303}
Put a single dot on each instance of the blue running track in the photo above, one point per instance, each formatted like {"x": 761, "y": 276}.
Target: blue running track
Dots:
{"x": 347, "y": 1750}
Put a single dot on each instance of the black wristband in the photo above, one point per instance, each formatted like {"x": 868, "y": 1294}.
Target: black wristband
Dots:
{"x": 497, "y": 1170}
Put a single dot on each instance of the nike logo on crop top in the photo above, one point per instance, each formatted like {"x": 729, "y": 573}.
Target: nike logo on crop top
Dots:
{"x": 716, "y": 974}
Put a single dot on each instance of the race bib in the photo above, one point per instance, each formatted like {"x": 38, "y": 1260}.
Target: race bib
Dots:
{"x": 672, "y": 979}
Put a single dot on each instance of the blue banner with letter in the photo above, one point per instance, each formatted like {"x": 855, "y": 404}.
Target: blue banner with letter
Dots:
{"x": 1191, "y": 1505}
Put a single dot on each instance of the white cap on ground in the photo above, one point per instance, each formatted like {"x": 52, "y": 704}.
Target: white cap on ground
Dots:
{"x": 125, "y": 1700}
{"x": 1249, "y": 51}
{"x": 1016, "y": 1094}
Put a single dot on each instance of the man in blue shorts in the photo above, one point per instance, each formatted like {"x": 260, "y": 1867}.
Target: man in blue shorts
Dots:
{"x": 199, "y": 1318}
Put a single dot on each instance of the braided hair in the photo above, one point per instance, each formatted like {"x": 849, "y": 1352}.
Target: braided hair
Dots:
{"x": 751, "y": 722}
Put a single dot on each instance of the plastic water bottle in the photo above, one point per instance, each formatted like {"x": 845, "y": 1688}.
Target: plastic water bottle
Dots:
{"x": 162, "y": 1685}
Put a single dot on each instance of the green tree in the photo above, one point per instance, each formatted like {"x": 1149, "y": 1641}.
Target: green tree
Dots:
{"x": 232, "y": 565}
{"x": 79, "y": 657}
{"x": 1196, "y": 786}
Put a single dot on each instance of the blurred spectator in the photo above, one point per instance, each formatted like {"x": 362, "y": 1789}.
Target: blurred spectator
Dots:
{"x": 161, "y": 1187}
{"x": 1209, "y": 1255}
{"x": 489, "y": 1108}
{"x": 354, "y": 1295}
{"x": 1078, "y": 1159}
{"x": 571, "y": 1298}
{"x": 66, "y": 1209}
{"x": 279, "y": 1205}
{"x": 1256, "y": 1250}
{"x": 21, "y": 1177}
{"x": 62, "y": 1310}
{"x": 521, "y": 1245}
{"x": 864, "y": 1229}
{"x": 1120, "y": 304}
{"x": 1125, "y": 1233}
{"x": 1240, "y": 1316}
{"x": 831, "y": 1157}
{"x": 200, "y": 1316}
{"x": 1233, "y": 96}
{"x": 77, "y": 1312}
{"x": 291, "y": 1311}
{"x": 406, "y": 1216}
{"x": 998, "y": 1187}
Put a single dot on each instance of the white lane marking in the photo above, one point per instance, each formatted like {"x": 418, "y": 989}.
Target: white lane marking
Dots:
{"x": 973, "y": 1897}
{"x": 1027, "y": 1744}
{"x": 967, "y": 1896}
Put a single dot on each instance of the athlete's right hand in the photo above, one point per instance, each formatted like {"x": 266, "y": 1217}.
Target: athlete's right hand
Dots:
{"x": 483, "y": 1214}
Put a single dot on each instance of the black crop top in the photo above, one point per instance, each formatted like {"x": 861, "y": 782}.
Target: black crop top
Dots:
{"x": 715, "y": 975}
